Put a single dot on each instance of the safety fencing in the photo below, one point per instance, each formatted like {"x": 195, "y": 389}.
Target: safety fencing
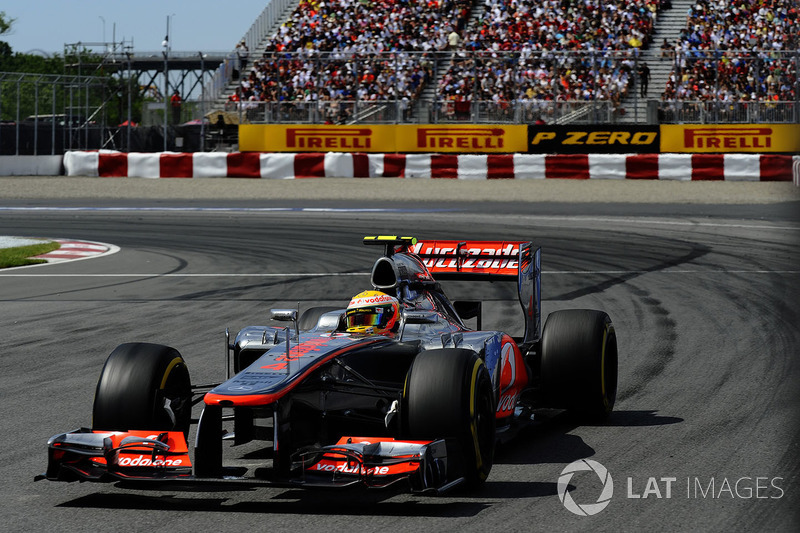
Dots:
{"x": 676, "y": 167}
{"x": 48, "y": 114}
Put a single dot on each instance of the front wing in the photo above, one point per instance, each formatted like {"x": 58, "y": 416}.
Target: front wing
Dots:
{"x": 147, "y": 457}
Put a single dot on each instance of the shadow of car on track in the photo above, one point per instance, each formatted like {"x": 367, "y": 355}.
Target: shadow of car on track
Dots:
{"x": 552, "y": 441}
{"x": 639, "y": 419}
{"x": 303, "y": 503}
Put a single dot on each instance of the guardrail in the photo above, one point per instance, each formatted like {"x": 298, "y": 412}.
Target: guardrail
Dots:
{"x": 716, "y": 112}
{"x": 514, "y": 112}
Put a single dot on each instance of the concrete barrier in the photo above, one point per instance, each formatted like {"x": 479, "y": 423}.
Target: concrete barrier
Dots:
{"x": 30, "y": 165}
{"x": 680, "y": 167}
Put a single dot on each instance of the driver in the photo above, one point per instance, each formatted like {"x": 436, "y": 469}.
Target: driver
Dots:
{"x": 372, "y": 313}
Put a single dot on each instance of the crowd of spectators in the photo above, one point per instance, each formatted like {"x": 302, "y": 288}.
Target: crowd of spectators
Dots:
{"x": 345, "y": 50}
{"x": 736, "y": 50}
{"x": 528, "y": 51}
{"x": 332, "y": 53}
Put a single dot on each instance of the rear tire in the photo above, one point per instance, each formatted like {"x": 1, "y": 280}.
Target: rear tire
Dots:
{"x": 579, "y": 363}
{"x": 448, "y": 395}
{"x": 143, "y": 387}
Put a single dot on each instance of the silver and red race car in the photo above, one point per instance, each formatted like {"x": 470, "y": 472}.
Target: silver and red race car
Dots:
{"x": 314, "y": 404}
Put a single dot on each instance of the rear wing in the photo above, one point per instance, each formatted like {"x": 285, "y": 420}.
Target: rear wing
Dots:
{"x": 518, "y": 261}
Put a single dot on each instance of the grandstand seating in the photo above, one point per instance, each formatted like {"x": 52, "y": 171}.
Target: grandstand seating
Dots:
{"x": 733, "y": 51}
{"x": 536, "y": 32}
{"x": 337, "y": 55}
{"x": 344, "y": 50}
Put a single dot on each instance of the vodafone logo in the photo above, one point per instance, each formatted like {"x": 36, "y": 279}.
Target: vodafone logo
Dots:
{"x": 146, "y": 461}
{"x": 353, "y": 469}
{"x": 585, "y": 509}
{"x": 371, "y": 300}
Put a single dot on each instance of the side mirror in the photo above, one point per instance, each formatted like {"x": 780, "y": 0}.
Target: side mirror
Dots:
{"x": 421, "y": 317}
{"x": 286, "y": 315}
{"x": 417, "y": 317}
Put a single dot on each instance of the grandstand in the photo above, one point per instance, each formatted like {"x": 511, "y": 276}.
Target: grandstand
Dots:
{"x": 521, "y": 61}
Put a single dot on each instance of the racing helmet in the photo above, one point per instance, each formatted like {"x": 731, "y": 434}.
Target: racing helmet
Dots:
{"x": 372, "y": 312}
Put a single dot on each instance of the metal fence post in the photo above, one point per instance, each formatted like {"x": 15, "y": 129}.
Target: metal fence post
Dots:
{"x": 166, "y": 91}
{"x": 1, "y": 113}
{"x": 36, "y": 117}
{"x": 53, "y": 123}
{"x": 130, "y": 111}
{"x": 16, "y": 150}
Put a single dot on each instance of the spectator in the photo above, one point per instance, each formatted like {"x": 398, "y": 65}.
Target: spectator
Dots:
{"x": 644, "y": 79}
{"x": 453, "y": 40}
{"x": 666, "y": 50}
{"x": 243, "y": 54}
{"x": 175, "y": 102}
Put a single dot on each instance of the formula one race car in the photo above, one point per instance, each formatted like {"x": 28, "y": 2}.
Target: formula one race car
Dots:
{"x": 393, "y": 388}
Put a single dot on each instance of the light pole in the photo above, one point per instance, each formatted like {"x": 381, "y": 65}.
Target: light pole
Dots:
{"x": 104, "y": 28}
{"x": 202, "y": 104}
{"x": 166, "y": 45}
{"x": 166, "y": 95}
{"x": 130, "y": 113}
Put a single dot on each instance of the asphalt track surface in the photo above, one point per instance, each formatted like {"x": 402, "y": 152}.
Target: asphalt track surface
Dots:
{"x": 704, "y": 296}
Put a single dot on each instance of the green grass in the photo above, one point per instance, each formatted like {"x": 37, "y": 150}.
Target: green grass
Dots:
{"x": 21, "y": 255}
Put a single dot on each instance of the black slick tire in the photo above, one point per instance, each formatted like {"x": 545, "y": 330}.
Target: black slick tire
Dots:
{"x": 448, "y": 395}
{"x": 143, "y": 387}
{"x": 579, "y": 363}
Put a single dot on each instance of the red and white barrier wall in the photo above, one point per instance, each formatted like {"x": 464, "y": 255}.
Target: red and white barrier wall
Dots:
{"x": 682, "y": 167}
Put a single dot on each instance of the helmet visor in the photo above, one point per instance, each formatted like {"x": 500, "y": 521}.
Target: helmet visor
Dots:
{"x": 368, "y": 316}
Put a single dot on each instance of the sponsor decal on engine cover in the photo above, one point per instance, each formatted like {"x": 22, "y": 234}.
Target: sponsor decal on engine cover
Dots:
{"x": 513, "y": 377}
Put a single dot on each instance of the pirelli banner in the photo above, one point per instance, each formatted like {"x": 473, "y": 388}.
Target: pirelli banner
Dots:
{"x": 404, "y": 138}
{"x": 535, "y": 139}
{"x": 731, "y": 138}
{"x": 586, "y": 139}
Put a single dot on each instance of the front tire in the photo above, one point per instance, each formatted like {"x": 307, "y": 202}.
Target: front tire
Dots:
{"x": 448, "y": 394}
{"x": 143, "y": 387}
{"x": 579, "y": 363}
